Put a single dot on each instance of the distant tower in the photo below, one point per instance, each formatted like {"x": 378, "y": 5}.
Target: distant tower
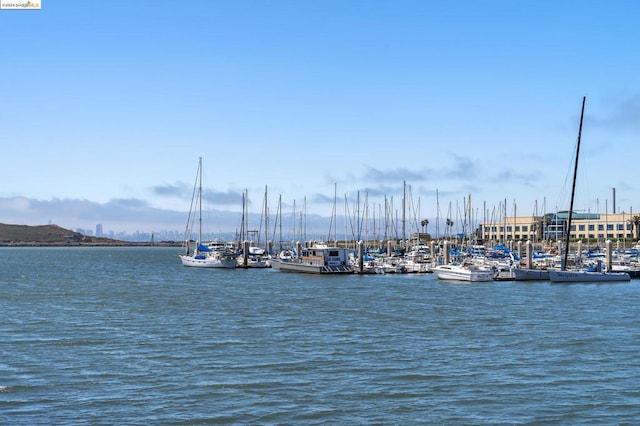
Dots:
{"x": 99, "y": 230}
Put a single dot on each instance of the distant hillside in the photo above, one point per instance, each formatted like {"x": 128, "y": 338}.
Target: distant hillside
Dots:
{"x": 46, "y": 235}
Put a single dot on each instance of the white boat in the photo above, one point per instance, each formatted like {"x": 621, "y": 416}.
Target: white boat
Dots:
{"x": 318, "y": 259}
{"x": 418, "y": 259}
{"x": 253, "y": 262}
{"x": 389, "y": 265}
{"x": 286, "y": 255}
{"x": 251, "y": 256}
{"x": 412, "y": 266}
{"x": 256, "y": 258}
{"x": 202, "y": 255}
{"x": 571, "y": 276}
{"x": 463, "y": 272}
{"x": 628, "y": 265}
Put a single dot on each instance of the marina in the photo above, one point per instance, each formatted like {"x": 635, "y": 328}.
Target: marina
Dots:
{"x": 448, "y": 261}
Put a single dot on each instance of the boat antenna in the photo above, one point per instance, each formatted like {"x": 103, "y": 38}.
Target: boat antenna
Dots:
{"x": 573, "y": 190}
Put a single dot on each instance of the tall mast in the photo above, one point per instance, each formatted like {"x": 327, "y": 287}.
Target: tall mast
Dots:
{"x": 200, "y": 200}
{"x": 335, "y": 216}
{"x": 573, "y": 190}
{"x": 266, "y": 220}
{"x": 404, "y": 207}
{"x": 280, "y": 216}
{"x": 437, "y": 214}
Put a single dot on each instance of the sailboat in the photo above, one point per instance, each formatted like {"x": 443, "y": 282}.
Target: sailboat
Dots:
{"x": 201, "y": 255}
{"x": 568, "y": 276}
{"x": 250, "y": 255}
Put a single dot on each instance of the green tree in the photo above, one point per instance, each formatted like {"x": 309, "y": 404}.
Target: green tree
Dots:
{"x": 635, "y": 221}
{"x": 449, "y": 224}
{"x": 425, "y": 224}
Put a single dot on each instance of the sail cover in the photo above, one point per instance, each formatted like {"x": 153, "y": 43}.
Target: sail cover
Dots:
{"x": 203, "y": 248}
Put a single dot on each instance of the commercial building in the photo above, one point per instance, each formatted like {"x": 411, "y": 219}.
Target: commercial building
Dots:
{"x": 588, "y": 227}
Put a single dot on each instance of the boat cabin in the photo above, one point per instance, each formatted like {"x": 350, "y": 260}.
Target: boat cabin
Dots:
{"x": 324, "y": 256}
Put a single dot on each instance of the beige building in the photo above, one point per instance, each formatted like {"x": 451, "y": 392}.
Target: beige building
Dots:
{"x": 584, "y": 226}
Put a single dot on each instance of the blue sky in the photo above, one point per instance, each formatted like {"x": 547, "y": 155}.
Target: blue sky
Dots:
{"x": 106, "y": 107}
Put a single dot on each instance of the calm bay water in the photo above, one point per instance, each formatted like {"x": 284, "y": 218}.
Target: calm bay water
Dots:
{"x": 129, "y": 336}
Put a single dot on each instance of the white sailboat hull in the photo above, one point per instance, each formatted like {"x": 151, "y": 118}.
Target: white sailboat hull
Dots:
{"x": 202, "y": 256}
{"x": 208, "y": 262}
{"x": 459, "y": 273}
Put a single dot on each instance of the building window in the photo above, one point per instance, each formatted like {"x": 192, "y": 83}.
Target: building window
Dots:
{"x": 592, "y": 227}
{"x": 581, "y": 227}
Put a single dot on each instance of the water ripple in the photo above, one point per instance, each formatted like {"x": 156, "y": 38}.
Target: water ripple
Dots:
{"x": 103, "y": 336}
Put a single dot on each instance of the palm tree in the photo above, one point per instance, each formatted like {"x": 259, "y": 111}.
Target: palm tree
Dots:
{"x": 449, "y": 225}
{"x": 635, "y": 221}
{"x": 425, "y": 224}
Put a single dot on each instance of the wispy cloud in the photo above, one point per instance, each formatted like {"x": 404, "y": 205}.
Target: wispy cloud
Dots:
{"x": 624, "y": 113}
{"x": 178, "y": 190}
{"x": 181, "y": 190}
{"x": 462, "y": 168}
{"x": 227, "y": 198}
{"x": 391, "y": 175}
{"x": 511, "y": 176}
{"x": 75, "y": 213}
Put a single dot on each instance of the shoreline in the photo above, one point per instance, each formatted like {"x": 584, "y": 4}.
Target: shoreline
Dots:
{"x": 86, "y": 244}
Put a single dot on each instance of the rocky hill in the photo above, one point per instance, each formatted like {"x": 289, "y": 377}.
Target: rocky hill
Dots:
{"x": 47, "y": 235}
